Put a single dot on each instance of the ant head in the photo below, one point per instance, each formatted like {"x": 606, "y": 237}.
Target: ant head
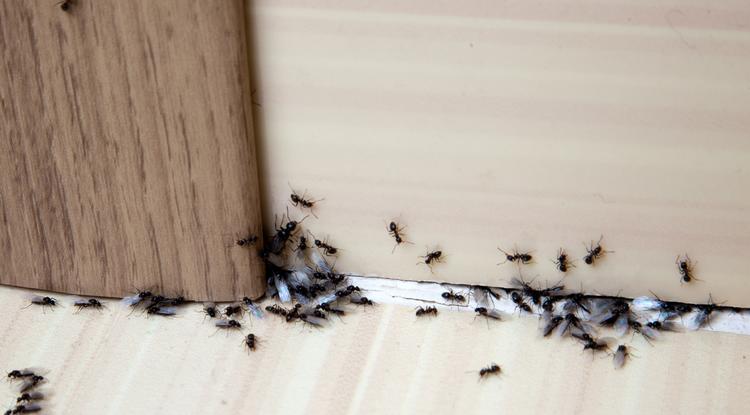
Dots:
{"x": 392, "y": 226}
{"x": 480, "y": 310}
{"x": 588, "y": 259}
{"x": 438, "y": 253}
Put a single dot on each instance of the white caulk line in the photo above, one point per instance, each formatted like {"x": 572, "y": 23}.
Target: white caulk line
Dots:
{"x": 372, "y": 357}
{"x": 416, "y": 293}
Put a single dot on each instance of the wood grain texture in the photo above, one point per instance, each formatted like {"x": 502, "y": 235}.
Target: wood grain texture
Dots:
{"x": 537, "y": 124}
{"x": 127, "y": 158}
{"x": 382, "y": 360}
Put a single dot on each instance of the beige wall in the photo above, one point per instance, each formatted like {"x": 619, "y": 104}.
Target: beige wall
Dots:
{"x": 543, "y": 124}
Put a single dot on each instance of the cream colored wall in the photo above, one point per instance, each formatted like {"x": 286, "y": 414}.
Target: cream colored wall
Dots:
{"x": 543, "y": 124}
{"x": 381, "y": 361}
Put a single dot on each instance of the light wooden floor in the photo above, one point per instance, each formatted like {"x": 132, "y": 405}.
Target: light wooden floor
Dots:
{"x": 379, "y": 360}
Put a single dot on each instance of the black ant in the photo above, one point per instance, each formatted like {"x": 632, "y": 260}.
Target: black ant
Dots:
{"x": 228, "y": 324}
{"x": 90, "y": 303}
{"x": 339, "y": 312}
{"x": 283, "y": 234}
{"x": 397, "y": 231}
{"x": 515, "y": 256}
{"x": 595, "y": 251}
{"x": 277, "y": 310}
{"x": 156, "y": 309}
{"x": 298, "y": 200}
{"x": 325, "y": 246}
{"x": 423, "y": 311}
{"x": 562, "y": 262}
{"x": 685, "y": 267}
{"x": 493, "y": 314}
{"x": 517, "y": 299}
{"x": 492, "y": 369}
{"x": 452, "y": 296}
{"x": 360, "y": 300}
{"x": 43, "y": 301}
{"x": 302, "y": 244}
{"x": 589, "y": 343}
{"x": 30, "y": 396}
{"x": 20, "y": 374}
{"x": 431, "y": 258}
{"x": 25, "y": 409}
{"x": 620, "y": 356}
{"x": 211, "y": 310}
{"x": 250, "y": 341}
{"x": 31, "y": 383}
{"x": 233, "y": 309}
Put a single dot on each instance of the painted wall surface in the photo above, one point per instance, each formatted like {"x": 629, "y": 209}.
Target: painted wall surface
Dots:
{"x": 485, "y": 124}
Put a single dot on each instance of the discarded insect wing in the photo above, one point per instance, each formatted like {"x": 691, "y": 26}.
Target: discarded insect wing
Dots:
{"x": 647, "y": 303}
{"x": 320, "y": 262}
{"x": 700, "y": 319}
{"x": 162, "y": 310}
{"x": 481, "y": 296}
{"x": 310, "y": 319}
{"x": 620, "y": 356}
{"x": 621, "y": 325}
{"x": 283, "y": 289}
{"x": 301, "y": 277}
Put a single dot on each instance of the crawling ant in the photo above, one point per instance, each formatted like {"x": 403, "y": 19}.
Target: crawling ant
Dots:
{"x": 515, "y": 256}
{"x": 250, "y": 341}
{"x": 517, "y": 299}
{"x": 431, "y": 257}
{"x": 90, "y": 303}
{"x": 703, "y": 316}
{"x": 450, "y": 295}
{"x": 228, "y": 324}
{"x": 211, "y": 310}
{"x": 325, "y": 247}
{"x": 138, "y": 298}
{"x": 397, "y": 231}
{"x": 252, "y": 307}
{"x": 685, "y": 267}
{"x": 156, "y": 309}
{"x": 595, "y": 251}
{"x": 277, "y": 310}
{"x": 361, "y": 300}
{"x": 620, "y": 356}
{"x": 20, "y": 374}
{"x": 30, "y": 396}
{"x": 283, "y": 234}
{"x": 25, "y": 409}
{"x": 492, "y": 369}
{"x": 423, "y": 311}
{"x": 339, "y": 312}
{"x": 298, "y": 200}
{"x": 31, "y": 383}
{"x": 302, "y": 244}
{"x": 562, "y": 262}
{"x": 43, "y": 301}
{"x": 233, "y": 309}
{"x": 492, "y": 313}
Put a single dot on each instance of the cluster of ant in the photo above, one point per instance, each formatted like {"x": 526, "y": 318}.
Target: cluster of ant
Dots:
{"x": 29, "y": 394}
{"x": 230, "y": 317}
{"x": 52, "y": 303}
{"x": 299, "y": 272}
{"x": 154, "y": 304}
{"x": 579, "y": 316}
{"x": 562, "y": 261}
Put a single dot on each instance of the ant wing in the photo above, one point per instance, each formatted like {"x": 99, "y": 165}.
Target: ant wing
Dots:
{"x": 283, "y": 289}
{"x": 315, "y": 321}
{"x": 670, "y": 325}
{"x": 166, "y": 311}
{"x": 320, "y": 262}
{"x": 301, "y": 277}
{"x": 80, "y": 301}
{"x": 698, "y": 321}
{"x": 649, "y": 332}
{"x": 621, "y": 325}
{"x": 496, "y": 314}
{"x": 328, "y": 298}
{"x": 278, "y": 243}
{"x": 562, "y": 328}
{"x": 223, "y": 323}
{"x": 646, "y": 303}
